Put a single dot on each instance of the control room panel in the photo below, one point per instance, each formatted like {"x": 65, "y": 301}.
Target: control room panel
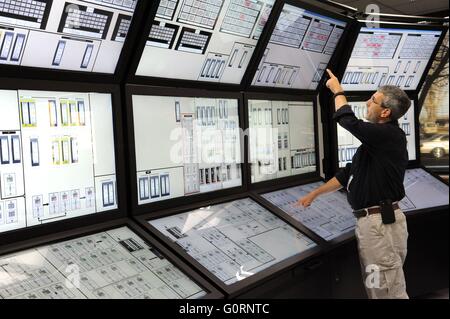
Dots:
{"x": 234, "y": 240}
{"x": 115, "y": 264}
{"x": 299, "y": 50}
{"x": 185, "y": 146}
{"x": 423, "y": 190}
{"x": 329, "y": 216}
{"x": 204, "y": 40}
{"x": 57, "y": 157}
{"x": 77, "y": 35}
{"x": 282, "y": 139}
{"x": 389, "y": 57}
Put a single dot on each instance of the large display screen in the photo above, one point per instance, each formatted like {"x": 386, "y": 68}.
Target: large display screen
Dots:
{"x": 234, "y": 240}
{"x": 86, "y": 36}
{"x": 299, "y": 50}
{"x": 204, "y": 40}
{"x": 282, "y": 139}
{"x": 348, "y": 144}
{"x": 115, "y": 264}
{"x": 423, "y": 191}
{"x": 383, "y": 56}
{"x": 57, "y": 158}
{"x": 185, "y": 146}
{"x": 329, "y": 216}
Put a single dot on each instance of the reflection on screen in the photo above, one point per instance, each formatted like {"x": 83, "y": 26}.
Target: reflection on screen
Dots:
{"x": 329, "y": 216}
{"x": 299, "y": 50}
{"x": 348, "y": 144}
{"x": 282, "y": 140}
{"x": 423, "y": 191}
{"x": 76, "y": 35}
{"x": 204, "y": 40}
{"x": 115, "y": 264}
{"x": 234, "y": 240}
{"x": 57, "y": 157}
{"x": 185, "y": 146}
{"x": 389, "y": 57}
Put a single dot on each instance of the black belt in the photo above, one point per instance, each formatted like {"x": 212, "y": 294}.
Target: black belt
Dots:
{"x": 370, "y": 211}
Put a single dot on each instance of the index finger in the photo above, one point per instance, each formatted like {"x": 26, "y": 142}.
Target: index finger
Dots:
{"x": 297, "y": 204}
{"x": 330, "y": 74}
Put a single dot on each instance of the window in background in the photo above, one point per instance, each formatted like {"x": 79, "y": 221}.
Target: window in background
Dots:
{"x": 434, "y": 118}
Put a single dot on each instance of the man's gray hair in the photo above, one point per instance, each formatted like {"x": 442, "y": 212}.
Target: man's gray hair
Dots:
{"x": 396, "y": 100}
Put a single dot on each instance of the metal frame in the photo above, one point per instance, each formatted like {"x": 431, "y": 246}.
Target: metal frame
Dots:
{"x": 247, "y": 284}
{"x": 288, "y": 179}
{"x": 340, "y": 6}
{"x": 408, "y": 18}
{"x": 63, "y": 225}
{"x": 254, "y": 63}
{"x": 14, "y": 71}
{"x": 212, "y": 292}
{"x": 176, "y": 92}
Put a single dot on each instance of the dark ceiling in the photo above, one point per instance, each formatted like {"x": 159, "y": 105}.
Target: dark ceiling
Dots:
{"x": 409, "y": 7}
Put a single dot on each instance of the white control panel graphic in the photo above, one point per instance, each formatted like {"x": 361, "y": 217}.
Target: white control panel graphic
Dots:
{"x": 282, "y": 139}
{"x": 77, "y": 35}
{"x": 56, "y": 157}
{"x": 423, "y": 191}
{"x": 204, "y": 40}
{"x": 329, "y": 216}
{"x": 389, "y": 57}
{"x": 185, "y": 146}
{"x": 115, "y": 264}
{"x": 299, "y": 50}
{"x": 234, "y": 240}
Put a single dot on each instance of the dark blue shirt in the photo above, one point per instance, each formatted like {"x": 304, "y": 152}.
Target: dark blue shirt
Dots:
{"x": 378, "y": 168}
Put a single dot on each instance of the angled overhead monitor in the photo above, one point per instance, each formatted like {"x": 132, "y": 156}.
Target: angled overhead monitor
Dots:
{"x": 282, "y": 139}
{"x": 300, "y": 49}
{"x": 57, "y": 157}
{"x": 204, "y": 40}
{"x": 75, "y": 35}
{"x": 185, "y": 146}
{"x": 390, "y": 55}
{"x": 348, "y": 144}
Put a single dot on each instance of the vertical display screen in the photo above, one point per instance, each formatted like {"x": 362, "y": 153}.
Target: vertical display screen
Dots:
{"x": 52, "y": 155}
{"x": 198, "y": 143}
{"x": 282, "y": 139}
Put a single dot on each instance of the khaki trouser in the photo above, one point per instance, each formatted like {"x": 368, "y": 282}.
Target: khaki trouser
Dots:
{"x": 382, "y": 252}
